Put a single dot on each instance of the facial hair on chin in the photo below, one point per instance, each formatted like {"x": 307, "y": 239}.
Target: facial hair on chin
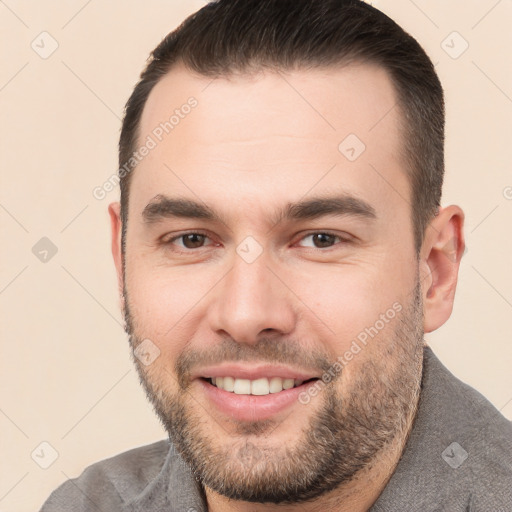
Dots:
{"x": 345, "y": 434}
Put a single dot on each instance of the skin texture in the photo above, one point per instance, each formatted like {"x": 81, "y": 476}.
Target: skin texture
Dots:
{"x": 252, "y": 145}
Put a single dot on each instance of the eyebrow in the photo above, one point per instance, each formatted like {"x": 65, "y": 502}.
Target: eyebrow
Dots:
{"x": 162, "y": 207}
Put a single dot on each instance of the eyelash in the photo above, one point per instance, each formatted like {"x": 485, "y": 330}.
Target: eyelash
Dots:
{"x": 341, "y": 240}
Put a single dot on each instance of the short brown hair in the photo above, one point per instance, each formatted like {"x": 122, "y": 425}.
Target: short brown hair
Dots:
{"x": 228, "y": 36}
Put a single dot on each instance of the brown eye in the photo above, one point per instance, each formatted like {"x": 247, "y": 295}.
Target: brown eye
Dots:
{"x": 187, "y": 243}
{"x": 323, "y": 240}
{"x": 193, "y": 240}
{"x": 320, "y": 240}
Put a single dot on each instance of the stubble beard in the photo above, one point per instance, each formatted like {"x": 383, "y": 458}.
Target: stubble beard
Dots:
{"x": 344, "y": 436}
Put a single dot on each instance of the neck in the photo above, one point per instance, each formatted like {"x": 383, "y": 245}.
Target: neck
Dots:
{"x": 357, "y": 495}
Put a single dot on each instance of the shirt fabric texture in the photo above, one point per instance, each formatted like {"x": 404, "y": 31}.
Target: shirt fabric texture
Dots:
{"x": 458, "y": 458}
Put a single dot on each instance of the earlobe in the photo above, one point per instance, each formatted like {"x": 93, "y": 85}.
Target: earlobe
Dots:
{"x": 441, "y": 253}
{"x": 114, "y": 210}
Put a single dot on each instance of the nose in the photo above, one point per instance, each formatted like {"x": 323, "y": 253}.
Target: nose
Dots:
{"x": 251, "y": 302}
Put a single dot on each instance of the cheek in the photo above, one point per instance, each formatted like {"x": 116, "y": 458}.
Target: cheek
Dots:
{"x": 347, "y": 302}
{"x": 165, "y": 303}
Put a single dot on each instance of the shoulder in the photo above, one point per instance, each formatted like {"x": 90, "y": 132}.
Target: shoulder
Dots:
{"x": 487, "y": 439}
{"x": 465, "y": 413}
{"x": 458, "y": 456}
{"x": 470, "y": 438}
{"x": 111, "y": 482}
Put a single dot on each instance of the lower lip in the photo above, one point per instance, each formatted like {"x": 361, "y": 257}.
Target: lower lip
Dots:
{"x": 252, "y": 407}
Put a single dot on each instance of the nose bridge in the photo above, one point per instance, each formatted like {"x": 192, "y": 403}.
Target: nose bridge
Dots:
{"x": 251, "y": 300}
{"x": 248, "y": 283}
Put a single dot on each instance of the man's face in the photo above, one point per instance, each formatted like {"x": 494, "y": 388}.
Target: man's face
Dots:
{"x": 297, "y": 253}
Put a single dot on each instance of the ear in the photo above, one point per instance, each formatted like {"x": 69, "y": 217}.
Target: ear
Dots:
{"x": 440, "y": 257}
{"x": 114, "y": 210}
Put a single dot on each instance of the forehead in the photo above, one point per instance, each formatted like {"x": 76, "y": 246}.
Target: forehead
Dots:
{"x": 272, "y": 136}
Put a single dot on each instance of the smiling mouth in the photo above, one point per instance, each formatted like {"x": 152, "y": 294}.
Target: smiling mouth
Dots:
{"x": 258, "y": 387}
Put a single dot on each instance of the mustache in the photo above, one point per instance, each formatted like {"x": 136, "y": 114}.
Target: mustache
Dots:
{"x": 265, "y": 350}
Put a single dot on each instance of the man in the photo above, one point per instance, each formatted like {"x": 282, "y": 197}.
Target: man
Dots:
{"x": 281, "y": 251}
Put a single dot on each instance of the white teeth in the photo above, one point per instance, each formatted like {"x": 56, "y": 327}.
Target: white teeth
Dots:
{"x": 242, "y": 387}
{"x": 288, "y": 383}
{"x": 276, "y": 384}
{"x": 228, "y": 384}
{"x": 261, "y": 386}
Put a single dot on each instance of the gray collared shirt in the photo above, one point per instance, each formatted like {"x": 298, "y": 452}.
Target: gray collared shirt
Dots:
{"x": 457, "y": 458}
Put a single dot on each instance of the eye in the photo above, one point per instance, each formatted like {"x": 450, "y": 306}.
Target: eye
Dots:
{"x": 188, "y": 241}
{"x": 321, "y": 240}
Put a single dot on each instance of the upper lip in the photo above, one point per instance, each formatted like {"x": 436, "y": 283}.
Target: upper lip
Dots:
{"x": 253, "y": 372}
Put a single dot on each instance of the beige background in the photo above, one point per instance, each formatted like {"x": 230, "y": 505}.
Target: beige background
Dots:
{"x": 66, "y": 375}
